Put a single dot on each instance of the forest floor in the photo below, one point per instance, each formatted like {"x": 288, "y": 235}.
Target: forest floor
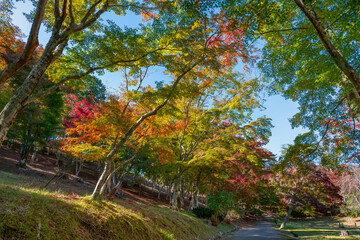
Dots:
{"x": 322, "y": 228}
{"x": 64, "y": 211}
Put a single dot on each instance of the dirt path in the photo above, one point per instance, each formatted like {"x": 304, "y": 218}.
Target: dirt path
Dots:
{"x": 261, "y": 230}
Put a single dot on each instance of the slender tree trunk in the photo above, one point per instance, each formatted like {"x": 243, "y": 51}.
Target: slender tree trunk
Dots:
{"x": 190, "y": 206}
{"x": 288, "y": 213}
{"x": 78, "y": 166}
{"x": 152, "y": 185}
{"x": 195, "y": 198}
{"x": 174, "y": 199}
{"x": 168, "y": 195}
{"x": 58, "y": 157}
{"x": 97, "y": 193}
{"x": 159, "y": 192}
{"x": 118, "y": 185}
{"x": 181, "y": 192}
{"x": 33, "y": 157}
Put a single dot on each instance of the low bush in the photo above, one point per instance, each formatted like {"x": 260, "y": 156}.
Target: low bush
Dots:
{"x": 203, "y": 212}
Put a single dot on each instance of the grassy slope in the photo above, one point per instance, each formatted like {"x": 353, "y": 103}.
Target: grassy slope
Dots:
{"x": 322, "y": 228}
{"x": 27, "y": 212}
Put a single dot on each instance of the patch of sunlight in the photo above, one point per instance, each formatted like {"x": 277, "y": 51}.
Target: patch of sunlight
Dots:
{"x": 167, "y": 235}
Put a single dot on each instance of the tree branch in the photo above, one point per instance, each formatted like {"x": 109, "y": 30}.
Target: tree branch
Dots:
{"x": 151, "y": 113}
{"x": 326, "y": 129}
{"x": 335, "y": 53}
{"x": 73, "y": 77}
{"x": 30, "y": 46}
{"x": 90, "y": 11}
{"x": 283, "y": 30}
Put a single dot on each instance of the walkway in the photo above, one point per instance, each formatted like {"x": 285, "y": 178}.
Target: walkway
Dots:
{"x": 261, "y": 230}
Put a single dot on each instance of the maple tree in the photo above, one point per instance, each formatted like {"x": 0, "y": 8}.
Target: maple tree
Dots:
{"x": 65, "y": 20}
{"x": 348, "y": 182}
{"x": 304, "y": 185}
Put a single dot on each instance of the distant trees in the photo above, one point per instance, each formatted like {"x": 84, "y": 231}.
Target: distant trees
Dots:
{"x": 350, "y": 190}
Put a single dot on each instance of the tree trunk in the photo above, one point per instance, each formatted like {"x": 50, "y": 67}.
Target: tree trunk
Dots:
{"x": 33, "y": 157}
{"x": 98, "y": 190}
{"x": 288, "y": 213}
{"x": 58, "y": 157}
{"x": 168, "y": 195}
{"x": 153, "y": 185}
{"x": 181, "y": 192}
{"x": 118, "y": 185}
{"x": 190, "y": 206}
{"x": 174, "y": 198}
{"x": 18, "y": 101}
{"x": 78, "y": 166}
{"x": 159, "y": 193}
{"x": 195, "y": 198}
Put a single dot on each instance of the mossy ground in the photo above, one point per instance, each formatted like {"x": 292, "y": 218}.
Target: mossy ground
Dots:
{"x": 29, "y": 212}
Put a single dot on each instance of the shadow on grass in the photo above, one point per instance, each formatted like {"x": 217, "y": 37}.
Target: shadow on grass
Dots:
{"x": 320, "y": 228}
{"x": 32, "y": 213}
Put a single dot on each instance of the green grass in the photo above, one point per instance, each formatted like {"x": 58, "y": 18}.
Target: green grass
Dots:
{"x": 28, "y": 212}
{"x": 320, "y": 228}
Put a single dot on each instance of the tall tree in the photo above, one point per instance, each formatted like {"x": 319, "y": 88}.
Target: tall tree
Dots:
{"x": 67, "y": 21}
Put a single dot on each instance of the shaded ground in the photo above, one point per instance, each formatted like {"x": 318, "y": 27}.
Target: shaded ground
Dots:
{"x": 260, "y": 230}
{"x": 45, "y": 167}
{"x": 30, "y": 212}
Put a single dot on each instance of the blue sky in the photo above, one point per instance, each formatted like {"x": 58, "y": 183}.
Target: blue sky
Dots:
{"x": 276, "y": 107}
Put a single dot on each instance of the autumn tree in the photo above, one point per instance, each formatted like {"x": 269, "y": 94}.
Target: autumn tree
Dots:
{"x": 309, "y": 55}
{"x": 302, "y": 184}
{"x": 67, "y": 21}
{"x": 350, "y": 190}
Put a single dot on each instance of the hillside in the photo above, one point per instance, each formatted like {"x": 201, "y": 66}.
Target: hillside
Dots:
{"x": 65, "y": 212}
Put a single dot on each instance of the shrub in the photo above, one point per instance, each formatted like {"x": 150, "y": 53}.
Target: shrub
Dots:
{"x": 221, "y": 202}
{"x": 203, "y": 212}
{"x": 220, "y": 217}
{"x": 255, "y": 211}
{"x": 350, "y": 212}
